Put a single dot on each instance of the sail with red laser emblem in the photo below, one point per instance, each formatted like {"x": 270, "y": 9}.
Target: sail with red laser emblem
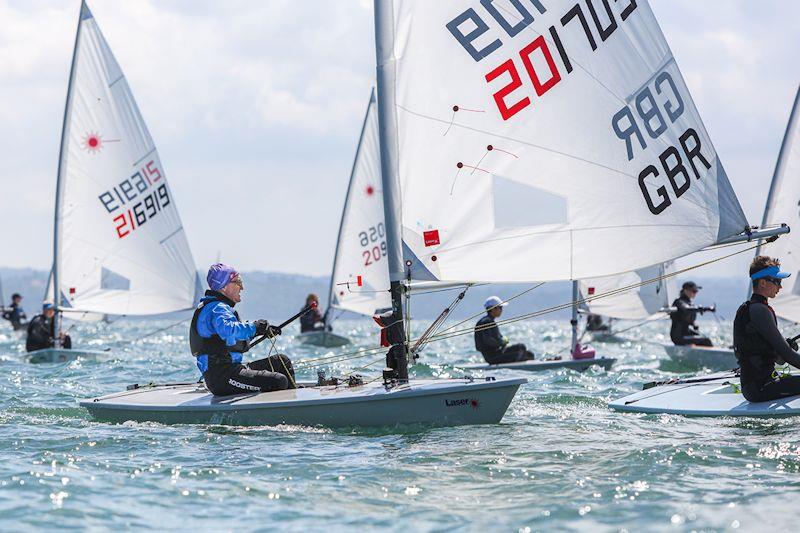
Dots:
{"x": 120, "y": 245}
{"x": 360, "y": 279}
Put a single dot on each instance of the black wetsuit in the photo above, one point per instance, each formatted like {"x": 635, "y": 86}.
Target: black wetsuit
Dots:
{"x": 684, "y": 330}
{"x": 309, "y": 321}
{"x": 494, "y": 347}
{"x": 759, "y": 345}
{"x": 595, "y": 323}
{"x": 41, "y": 335}
{"x": 16, "y": 315}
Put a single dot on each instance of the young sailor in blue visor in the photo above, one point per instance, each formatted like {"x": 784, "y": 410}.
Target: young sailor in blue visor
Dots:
{"x": 758, "y": 343}
{"x": 218, "y": 338}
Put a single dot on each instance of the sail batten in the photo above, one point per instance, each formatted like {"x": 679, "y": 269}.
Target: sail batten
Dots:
{"x": 120, "y": 248}
{"x": 581, "y": 105}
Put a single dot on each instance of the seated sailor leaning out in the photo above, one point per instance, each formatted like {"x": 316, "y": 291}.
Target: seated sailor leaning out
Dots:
{"x": 684, "y": 330}
{"x": 218, "y": 338}
{"x": 758, "y": 343}
{"x": 494, "y": 347}
{"x": 42, "y": 331}
{"x": 312, "y": 320}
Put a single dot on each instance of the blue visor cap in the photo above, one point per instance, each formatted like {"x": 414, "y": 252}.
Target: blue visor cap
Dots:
{"x": 770, "y": 272}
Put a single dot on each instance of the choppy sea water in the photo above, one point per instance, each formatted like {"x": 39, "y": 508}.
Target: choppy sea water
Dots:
{"x": 559, "y": 460}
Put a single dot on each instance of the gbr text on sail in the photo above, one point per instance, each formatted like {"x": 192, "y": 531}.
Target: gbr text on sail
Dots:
{"x": 517, "y": 77}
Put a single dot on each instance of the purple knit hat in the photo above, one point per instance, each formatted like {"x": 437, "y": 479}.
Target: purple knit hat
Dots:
{"x": 219, "y": 275}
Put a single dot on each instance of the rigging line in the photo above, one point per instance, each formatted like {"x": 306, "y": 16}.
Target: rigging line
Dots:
{"x": 312, "y": 364}
{"x": 283, "y": 362}
{"x": 136, "y": 339}
{"x": 458, "y": 287}
{"x": 368, "y": 365}
{"x": 473, "y": 317}
{"x": 364, "y": 352}
{"x": 568, "y": 305}
{"x": 445, "y": 335}
{"x": 422, "y": 342}
{"x": 651, "y": 319}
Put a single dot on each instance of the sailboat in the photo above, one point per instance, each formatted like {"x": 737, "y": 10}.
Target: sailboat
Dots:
{"x": 719, "y": 394}
{"x": 602, "y": 126}
{"x": 646, "y": 302}
{"x": 119, "y": 246}
{"x": 360, "y": 275}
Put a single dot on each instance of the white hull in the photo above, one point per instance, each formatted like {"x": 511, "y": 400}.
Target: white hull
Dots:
{"x": 542, "y": 365}
{"x": 715, "y": 395}
{"x": 58, "y": 355}
{"x": 326, "y": 339}
{"x": 436, "y": 402}
{"x": 696, "y": 357}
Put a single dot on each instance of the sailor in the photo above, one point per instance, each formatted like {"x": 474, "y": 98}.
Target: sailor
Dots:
{"x": 14, "y": 312}
{"x": 684, "y": 330}
{"x": 41, "y": 331}
{"x": 313, "y": 320}
{"x": 758, "y": 343}
{"x": 490, "y": 343}
{"x": 218, "y": 338}
{"x": 595, "y": 323}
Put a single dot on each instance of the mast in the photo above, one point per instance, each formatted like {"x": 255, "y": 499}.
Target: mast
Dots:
{"x": 387, "y": 130}
{"x": 779, "y": 164}
{"x": 574, "y": 321}
{"x": 347, "y": 204}
{"x": 60, "y": 181}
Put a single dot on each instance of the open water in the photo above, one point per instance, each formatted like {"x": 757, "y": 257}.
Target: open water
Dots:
{"x": 560, "y": 459}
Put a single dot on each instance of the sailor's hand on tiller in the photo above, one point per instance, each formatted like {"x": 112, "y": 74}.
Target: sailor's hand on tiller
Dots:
{"x": 792, "y": 343}
{"x": 262, "y": 326}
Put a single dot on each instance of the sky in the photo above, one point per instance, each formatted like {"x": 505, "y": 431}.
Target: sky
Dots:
{"x": 266, "y": 97}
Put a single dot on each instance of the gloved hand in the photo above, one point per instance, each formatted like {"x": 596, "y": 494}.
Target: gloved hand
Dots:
{"x": 273, "y": 331}
{"x": 261, "y": 326}
{"x": 712, "y": 309}
{"x": 792, "y": 344}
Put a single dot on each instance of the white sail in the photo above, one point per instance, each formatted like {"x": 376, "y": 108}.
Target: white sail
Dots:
{"x": 636, "y": 304}
{"x": 360, "y": 279}
{"x": 122, "y": 248}
{"x": 783, "y": 206}
{"x": 544, "y": 141}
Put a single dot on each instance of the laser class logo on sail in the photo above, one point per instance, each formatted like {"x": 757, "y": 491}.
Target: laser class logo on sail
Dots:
{"x": 484, "y": 31}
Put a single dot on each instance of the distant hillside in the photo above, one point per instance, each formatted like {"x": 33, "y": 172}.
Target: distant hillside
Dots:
{"x": 278, "y": 295}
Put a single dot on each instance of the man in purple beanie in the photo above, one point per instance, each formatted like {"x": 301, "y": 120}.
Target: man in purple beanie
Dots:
{"x": 218, "y": 338}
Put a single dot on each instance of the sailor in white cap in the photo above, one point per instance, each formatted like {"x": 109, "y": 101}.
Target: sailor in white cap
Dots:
{"x": 490, "y": 343}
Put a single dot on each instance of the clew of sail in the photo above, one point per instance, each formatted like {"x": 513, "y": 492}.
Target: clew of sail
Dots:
{"x": 360, "y": 278}
{"x": 578, "y": 109}
{"x": 782, "y": 206}
{"x": 640, "y": 303}
{"x": 121, "y": 247}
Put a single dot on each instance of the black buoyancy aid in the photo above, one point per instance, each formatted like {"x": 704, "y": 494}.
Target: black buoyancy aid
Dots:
{"x": 214, "y": 346}
{"x": 682, "y": 319}
{"x": 755, "y": 355}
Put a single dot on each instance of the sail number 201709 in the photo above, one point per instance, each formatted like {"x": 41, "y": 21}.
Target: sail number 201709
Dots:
{"x": 373, "y": 242}
{"x": 472, "y": 30}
